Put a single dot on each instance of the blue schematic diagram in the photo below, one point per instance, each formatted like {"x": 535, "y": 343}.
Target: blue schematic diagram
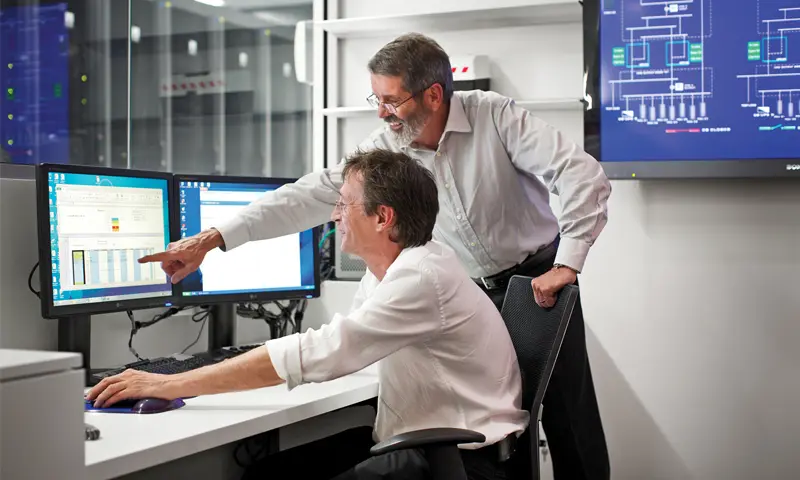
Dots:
{"x": 699, "y": 79}
{"x": 772, "y": 82}
{"x": 659, "y": 74}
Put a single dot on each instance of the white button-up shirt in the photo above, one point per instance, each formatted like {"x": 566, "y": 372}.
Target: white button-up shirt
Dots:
{"x": 494, "y": 168}
{"x": 445, "y": 358}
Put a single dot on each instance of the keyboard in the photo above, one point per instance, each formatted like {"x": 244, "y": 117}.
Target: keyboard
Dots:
{"x": 178, "y": 364}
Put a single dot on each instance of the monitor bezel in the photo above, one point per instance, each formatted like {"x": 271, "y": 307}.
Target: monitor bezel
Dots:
{"x": 49, "y": 309}
{"x": 658, "y": 169}
{"x": 264, "y": 296}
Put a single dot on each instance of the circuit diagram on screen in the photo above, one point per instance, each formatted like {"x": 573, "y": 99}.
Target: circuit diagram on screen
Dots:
{"x": 773, "y": 83}
{"x": 658, "y": 72}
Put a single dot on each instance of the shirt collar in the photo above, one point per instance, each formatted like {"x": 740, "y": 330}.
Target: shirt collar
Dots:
{"x": 457, "y": 119}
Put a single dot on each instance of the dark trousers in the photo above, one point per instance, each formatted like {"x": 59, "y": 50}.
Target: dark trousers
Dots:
{"x": 570, "y": 419}
{"x": 345, "y": 456}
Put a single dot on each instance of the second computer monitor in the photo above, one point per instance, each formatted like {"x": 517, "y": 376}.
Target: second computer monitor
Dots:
{"x": 286, "y": 267}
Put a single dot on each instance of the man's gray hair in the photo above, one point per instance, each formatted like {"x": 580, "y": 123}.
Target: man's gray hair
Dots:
{"x": 418, "y": 60}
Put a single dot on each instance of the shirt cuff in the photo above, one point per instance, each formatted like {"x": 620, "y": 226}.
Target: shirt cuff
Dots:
{"x": 285, "y": 355}
{"x": 572, "y": 253}
{"x": 234, "y": 233}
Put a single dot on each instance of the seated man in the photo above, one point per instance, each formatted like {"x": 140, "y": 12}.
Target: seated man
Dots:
{"x": 445, "y": 356}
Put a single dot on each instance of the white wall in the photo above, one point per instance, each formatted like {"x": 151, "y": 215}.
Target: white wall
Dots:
{"x": 691, "y": 295}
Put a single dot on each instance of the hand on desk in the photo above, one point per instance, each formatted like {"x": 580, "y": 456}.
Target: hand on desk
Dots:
{"x": 546, "y": 286}
{"x": 253, "y": 369}
{"x": 185, "y": 256}
{"x": 130, "y": 384}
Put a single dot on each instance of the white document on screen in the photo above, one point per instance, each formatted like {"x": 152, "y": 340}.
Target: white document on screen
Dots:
{"x": 259, "y": 265}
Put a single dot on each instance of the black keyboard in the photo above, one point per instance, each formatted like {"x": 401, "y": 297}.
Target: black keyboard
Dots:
{"x": 171, "y": 365}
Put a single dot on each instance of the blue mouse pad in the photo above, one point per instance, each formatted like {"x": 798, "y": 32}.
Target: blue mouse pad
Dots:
{"x": 139, "y": 405}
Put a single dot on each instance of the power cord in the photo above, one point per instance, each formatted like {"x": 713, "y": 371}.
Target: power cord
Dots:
{"x": 197, "y": 317}
{"x": 30, "y": 280}
{"x": 137, "y": 325}
{"x": 134, "y": 331}
{"x": 326, "y": 267}
{"x": 278, "y": 322}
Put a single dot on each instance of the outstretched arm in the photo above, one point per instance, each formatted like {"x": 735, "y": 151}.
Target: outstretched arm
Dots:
{"x": 248, "y": 371}
{"x": 290, "y": 209}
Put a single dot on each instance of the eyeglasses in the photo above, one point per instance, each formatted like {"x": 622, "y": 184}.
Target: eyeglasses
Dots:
{"x": 391, "y": 108}
{"x": 340, "y": 205}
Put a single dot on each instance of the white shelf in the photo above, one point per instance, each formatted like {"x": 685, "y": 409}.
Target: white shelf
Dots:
{"x": 544, "y": 12}
{"x": 340, "y": 112}
{"x": 533, "y": 105}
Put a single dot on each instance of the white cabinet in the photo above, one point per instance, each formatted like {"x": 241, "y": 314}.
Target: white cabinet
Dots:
{"x": 41, "y": 415}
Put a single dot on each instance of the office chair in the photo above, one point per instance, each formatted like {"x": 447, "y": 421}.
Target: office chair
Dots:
{"x": 537, "y": 334}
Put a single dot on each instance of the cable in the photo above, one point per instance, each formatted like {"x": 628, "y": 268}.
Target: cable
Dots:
{"x": 136, "y": 326}
{"x": 325, "y": 237}
{"x": 30, "y": 280}
{"x": 134, "y": 330}
{"x": 201, "y": 316}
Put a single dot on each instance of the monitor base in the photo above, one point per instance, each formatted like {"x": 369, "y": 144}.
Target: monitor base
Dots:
{"x": 222, "y": 326}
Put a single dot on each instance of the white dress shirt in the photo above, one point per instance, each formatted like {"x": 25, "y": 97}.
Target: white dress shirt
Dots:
{"x": 445, "y": 358}
{"x": 494, "y": 168}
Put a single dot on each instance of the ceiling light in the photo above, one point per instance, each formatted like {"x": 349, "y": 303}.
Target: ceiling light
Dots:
{"x": 213, "y": 3}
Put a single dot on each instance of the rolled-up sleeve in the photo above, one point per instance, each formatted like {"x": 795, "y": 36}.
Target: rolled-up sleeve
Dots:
{"x": 583, "y": 189}
{"x": 285, "y": 355}
{"x": 402, "y": 310}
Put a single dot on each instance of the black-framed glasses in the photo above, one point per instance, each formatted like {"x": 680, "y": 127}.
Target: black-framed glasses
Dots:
{"x": 391, "y": 108}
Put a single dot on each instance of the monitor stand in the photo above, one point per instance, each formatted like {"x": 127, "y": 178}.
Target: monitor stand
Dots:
{"x": 222, "y": 326}
{"x": 75, "y": 335}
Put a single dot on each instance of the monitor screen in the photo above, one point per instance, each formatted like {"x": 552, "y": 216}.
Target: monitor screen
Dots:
{"x": 280, "y": 268}
{"x": 698, "y": 81}
{"x": 96, "y": 224}
{"x": 34, "y": 75}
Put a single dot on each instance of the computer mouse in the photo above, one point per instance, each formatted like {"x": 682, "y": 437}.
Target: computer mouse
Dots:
{"x": 138, "y": 405}
{"x": 157, "y": 405}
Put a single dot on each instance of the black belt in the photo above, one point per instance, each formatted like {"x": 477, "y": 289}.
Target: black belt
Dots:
{"x": 500, "y": 280}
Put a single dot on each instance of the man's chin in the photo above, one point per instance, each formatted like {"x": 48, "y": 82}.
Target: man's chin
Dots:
{"x": 402, "y": 137}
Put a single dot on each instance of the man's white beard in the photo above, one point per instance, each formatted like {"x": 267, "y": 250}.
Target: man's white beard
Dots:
{"x": 412, "y": 128}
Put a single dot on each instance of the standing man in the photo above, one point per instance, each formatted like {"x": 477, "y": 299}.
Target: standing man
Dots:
{"x": 486, "y": 155}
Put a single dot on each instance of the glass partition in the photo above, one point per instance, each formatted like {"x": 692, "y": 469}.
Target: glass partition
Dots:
{"x": 186, "y": 86}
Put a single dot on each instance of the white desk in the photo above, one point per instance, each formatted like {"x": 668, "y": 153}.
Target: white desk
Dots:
{"x": 129, "y": 442}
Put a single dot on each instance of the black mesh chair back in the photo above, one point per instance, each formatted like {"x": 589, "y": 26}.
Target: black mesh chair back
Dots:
{"x": 537, "y": 334}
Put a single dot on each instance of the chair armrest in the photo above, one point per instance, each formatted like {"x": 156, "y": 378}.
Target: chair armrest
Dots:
{"x": 427, "y": 437}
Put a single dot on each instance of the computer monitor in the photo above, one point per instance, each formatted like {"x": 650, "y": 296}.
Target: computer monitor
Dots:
{"x": 281, "y": 268}
{"x": 94, "y": 224}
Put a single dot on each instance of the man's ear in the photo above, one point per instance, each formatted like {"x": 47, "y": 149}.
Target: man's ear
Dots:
{"x": 386, "y": 218}
{"x": 435, "y": 96}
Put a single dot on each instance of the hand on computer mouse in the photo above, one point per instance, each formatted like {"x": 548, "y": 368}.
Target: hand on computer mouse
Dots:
{"x": 130, "y": 384}
{"x": 185, "y": 256}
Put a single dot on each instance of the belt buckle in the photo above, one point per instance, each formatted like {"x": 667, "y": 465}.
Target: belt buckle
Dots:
{"x": 485, "y": 284}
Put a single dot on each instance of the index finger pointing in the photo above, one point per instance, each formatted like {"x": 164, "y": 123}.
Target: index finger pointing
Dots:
{"x": 158, "y": 257}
